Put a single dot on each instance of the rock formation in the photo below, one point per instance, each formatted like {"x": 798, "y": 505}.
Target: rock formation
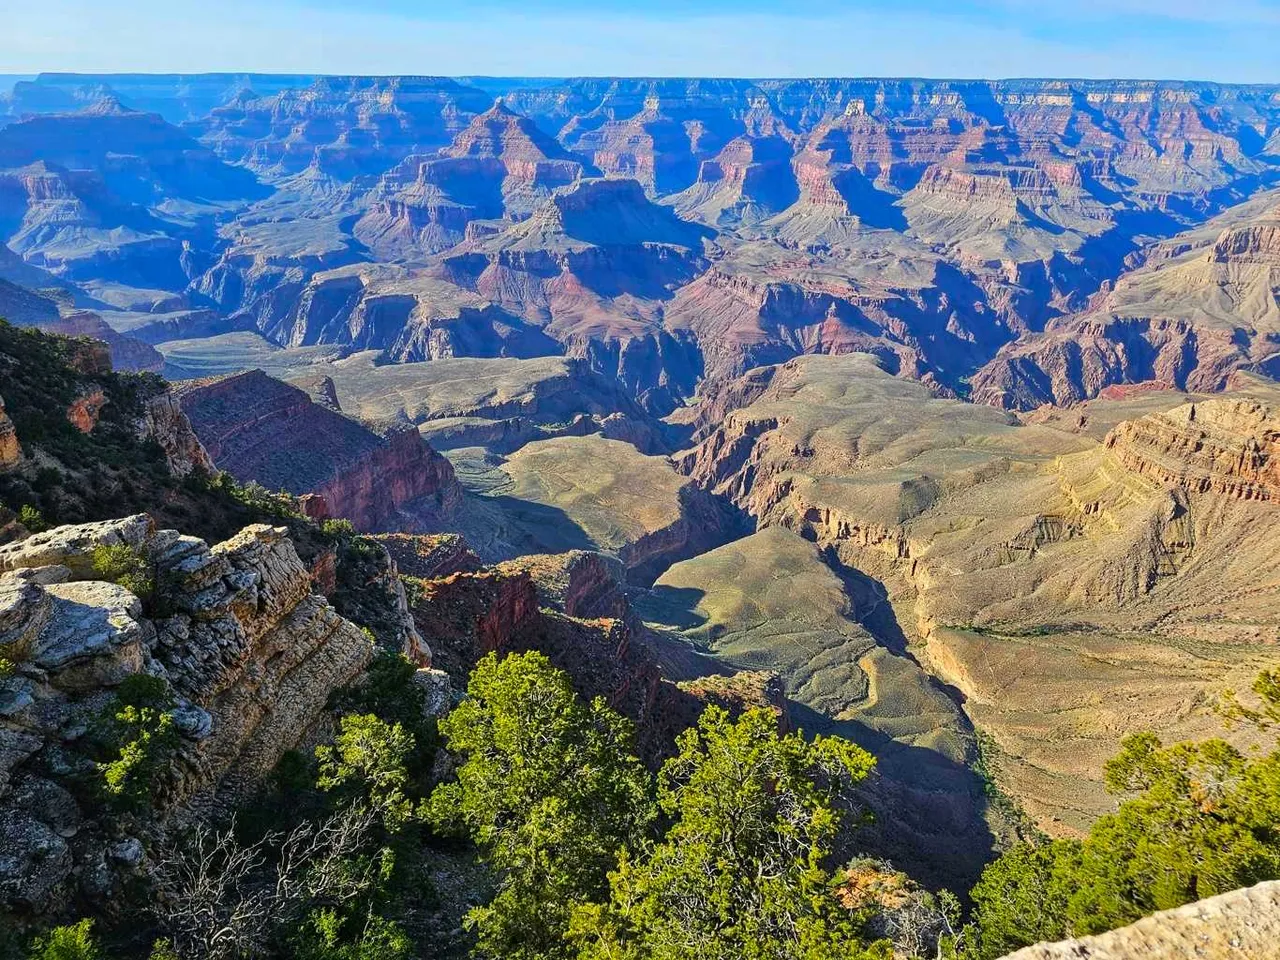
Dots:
{"x": 10, "y": 449}
{"x": 250, "y": 653}
{"x": 164, "y": 421}
{"x": 1226, "y": 447}
{"x": 85, "y": 409}
{"x": 127, "y": 353}
{"x": 500, "y": 166}
{"x": 87, "y": 191}
{"x": 262, "y": 430}
{"x": 1020, "y": 559}
{"x": 1241, "y": 925}
{"x": 1201, "y": 307}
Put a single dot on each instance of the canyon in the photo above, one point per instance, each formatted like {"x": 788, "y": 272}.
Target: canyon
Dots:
{"x": 941, "y": 416}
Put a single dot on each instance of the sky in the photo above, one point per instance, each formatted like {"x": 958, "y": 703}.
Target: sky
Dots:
{"x": 1225, "y": 40}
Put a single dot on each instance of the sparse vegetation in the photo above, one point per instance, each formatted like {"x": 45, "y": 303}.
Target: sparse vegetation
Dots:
{"x": 140, "y": 738}
{"x": 126, "y": 566}
{"x": 32, "y": 519}
{"x": 74, "y": 942}
{"x": 988, "y": 752}
{"x": 1196, "y": 820}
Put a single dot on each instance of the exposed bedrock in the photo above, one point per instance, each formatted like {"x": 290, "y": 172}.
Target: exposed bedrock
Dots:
{"x": 262, "y": 430}
{"x": 1243, "y": 923}
{"x": 251, "y": 653}
{"x": 1071, "y": 585}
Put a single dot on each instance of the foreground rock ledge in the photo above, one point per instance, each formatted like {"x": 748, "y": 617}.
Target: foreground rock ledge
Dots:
{"x": 1241, "y": 925}
{"x": 251, "y": 654}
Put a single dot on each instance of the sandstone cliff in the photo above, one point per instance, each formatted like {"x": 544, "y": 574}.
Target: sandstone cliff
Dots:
{"x": 1222, "y": 446}
{"x": 260, "y": 429}
{"x": 10, "y": 449}
{"x": 250, "y": 653}
{"x": 164, "y": 421}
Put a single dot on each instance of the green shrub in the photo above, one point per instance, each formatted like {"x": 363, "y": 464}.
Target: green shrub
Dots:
{"x": 73, "y": 942}
{"x": 549, "y": 789}
{"x": 741, "y": 872}
{"x": 1200, "y": 819}
{"x": 370, "y": 759}
{"x": 32, "y": 519}
{"x": 142, "y": 738}
{"x": 338, "y": 529}
{"x": 126, "y": 566}
{"x": 326, "y": 935}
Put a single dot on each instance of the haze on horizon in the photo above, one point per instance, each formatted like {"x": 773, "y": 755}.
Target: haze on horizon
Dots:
{"x": 1226, "y": 40}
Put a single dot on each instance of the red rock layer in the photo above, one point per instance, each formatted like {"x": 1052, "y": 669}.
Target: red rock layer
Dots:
{"x": 1229, "y": 447}
{"x": 259, "y": 429}
{"x": 10, "y": 450}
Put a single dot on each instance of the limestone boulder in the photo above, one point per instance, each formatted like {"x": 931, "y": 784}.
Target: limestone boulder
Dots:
{"x": 73, "y": 546}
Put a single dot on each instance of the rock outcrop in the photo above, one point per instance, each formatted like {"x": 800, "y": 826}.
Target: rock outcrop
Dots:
{"x": 262, "y": 430}
{"x": 1199, "y": 308}
{"x": 579, "y": 583}
{"x": 571, "y": 607}
{"x": 249, "y": 653}
{"x": 86, "y": 408}
{"x": 1227, "y": 447}
{"x": 1241, "y": 925}
{"x": 10, "y": 448}
{"x": 430, "y": 557}
{"x": 164, "y": 421}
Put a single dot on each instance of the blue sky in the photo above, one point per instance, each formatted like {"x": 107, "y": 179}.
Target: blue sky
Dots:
{"x": 1229, "y": 40}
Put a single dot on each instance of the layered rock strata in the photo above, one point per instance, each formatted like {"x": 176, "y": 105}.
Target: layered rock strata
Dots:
{"x": 1072, "y": 581}
{"x": 10, "y": 448}
{"x": 249, "y": 652}
{"x": 262, "y": 430}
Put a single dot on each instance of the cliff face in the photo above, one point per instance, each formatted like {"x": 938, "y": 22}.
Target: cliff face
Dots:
{"x": 579, "y": 583}
{"x": 1227, "y": 447}
{"x": 10, "y": 449}
{"x": 1199, "y": 308}
{"x": 259, "y": 429}
{"x": 251, "y": 655}
{"x": 164, "y": 422}
{"x": 500, "y": 166}
{"x": 571, "y": 607}
{"x": 403, "y": 478}
{"x": 1241, "y": 924}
